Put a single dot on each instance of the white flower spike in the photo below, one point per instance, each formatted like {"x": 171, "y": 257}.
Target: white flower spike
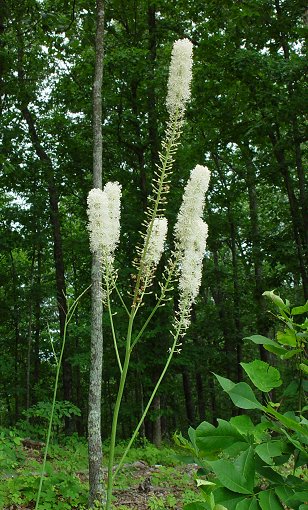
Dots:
{"x": 180, "y": 75}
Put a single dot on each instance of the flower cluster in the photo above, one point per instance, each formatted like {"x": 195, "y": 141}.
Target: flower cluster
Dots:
{"x": 156, "y": 242}
{"x": 180, "y": 75}
{"x": 190, "y": 236}
{"x": 104, "y": 219}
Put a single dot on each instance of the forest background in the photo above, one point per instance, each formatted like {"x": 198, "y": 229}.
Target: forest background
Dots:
{"x": 245, "y": 122}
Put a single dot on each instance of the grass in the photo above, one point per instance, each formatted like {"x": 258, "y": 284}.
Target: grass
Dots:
{"x": 151, "y": 478}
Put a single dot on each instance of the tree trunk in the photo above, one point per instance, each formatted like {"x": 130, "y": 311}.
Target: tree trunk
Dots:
{"x": 95, "y": 384}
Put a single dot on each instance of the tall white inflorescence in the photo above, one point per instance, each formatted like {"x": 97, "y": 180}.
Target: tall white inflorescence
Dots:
{"x": 180, "y": 75}
{"x": 191, "y": 263}
{"x": 156, "y": 243}
{"x": 190, "y": 236}
{"x": 104, "y": 219}
{"x": 192, "y": 205}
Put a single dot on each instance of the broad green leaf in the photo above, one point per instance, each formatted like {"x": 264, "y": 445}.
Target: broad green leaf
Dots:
{"x": 197, "y": 505}
{"x": 245, "y": 464}
{"x": 220, "y": 507}
{"x": 210, "y": 438}
{"x": 284, "y": 493}
{"x": 267, "y": 451}
{"x": 287, "y": 337}
{"x": 269, "y": 501}
{"x": 263, "y": 376}
{"x": 278, "y": 350}
{"x": 226, "y": 384}
{"x": 227, "y": 498}
{"x": 301, "y": 496}
{"x": 243, "y": 424}
{"x": 297, "y": 310}
{"x": 243, "y": 397}
{"x": 260, "y": 339}
{"x": 240, "y": 393}
{"x": 248, "y": 504}
{"x": 230, "y": 477}
{"x": 268, "y": 473}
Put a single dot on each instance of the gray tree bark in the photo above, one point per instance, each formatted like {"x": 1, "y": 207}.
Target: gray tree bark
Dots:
{"x": 96, "y": 492}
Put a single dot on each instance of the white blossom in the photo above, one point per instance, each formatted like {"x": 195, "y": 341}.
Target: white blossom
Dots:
{"x": 180, "y": 75}
{"x": 192, "y": 205}
{"x": 156, "y": 242}
{"x": 113, "y": 192}
{"x": 104, "y": 218}
{"x": 191, "y": 262}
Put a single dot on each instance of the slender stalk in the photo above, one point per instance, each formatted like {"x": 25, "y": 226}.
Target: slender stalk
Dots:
{"x": 164, "y": 290}
{"x": 111, "y": 320}
{"x": 58, "y": 365}
{"x": 151, "y": 398}
{"x": 117, "y": 409}
{"x": 121, "y": 299}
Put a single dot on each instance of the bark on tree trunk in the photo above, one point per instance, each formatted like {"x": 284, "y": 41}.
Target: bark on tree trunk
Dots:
{"x": 96, "y": 492}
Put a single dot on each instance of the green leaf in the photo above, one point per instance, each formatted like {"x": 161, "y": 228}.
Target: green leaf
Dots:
{"x": 225, "y": 383}
{"x": 240, "y": 393}
{"x": 267, "y": 451}
{"x": 227, "y": 498}
{"x": 287, "y": 337}
{"x": 261, "y": 340}
{"x": 248, "y": 504}
{"x": 243, "y": 424}
{"x": 297, "y": 310}
{"x": 243, "y": 397}
{"x": 197, "y": 505}
{"x": 284, "y": 493}
{"x": 209, "y": 438}
{"x": 230, "y": 477}
{"x": 245, "y": 464}
{"x": 263, "y": 376}
{"x": 269, "y": 501}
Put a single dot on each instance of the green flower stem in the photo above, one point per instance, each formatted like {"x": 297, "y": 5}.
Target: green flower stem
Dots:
{"x": 121, "y": 299}
{"x": 68, "y": 318}
{"x": 117, "y": 409}
{"x": 150, "y": 400}
{"x": 111, "y": 321}
{"x": 158, "y": 304}
{"x": 166, "y": 162}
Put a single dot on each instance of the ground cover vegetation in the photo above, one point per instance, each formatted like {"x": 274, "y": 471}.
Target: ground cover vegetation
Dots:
{"x": 245, "y": 122}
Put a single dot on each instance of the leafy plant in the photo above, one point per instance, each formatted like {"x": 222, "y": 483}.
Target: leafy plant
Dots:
{"x": 62, "y": 409}
{"x": 257, "y": 467}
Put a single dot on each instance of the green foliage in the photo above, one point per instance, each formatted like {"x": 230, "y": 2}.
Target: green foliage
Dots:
{"x": 253, "y": 467}
{"x": 62, "y": 409}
